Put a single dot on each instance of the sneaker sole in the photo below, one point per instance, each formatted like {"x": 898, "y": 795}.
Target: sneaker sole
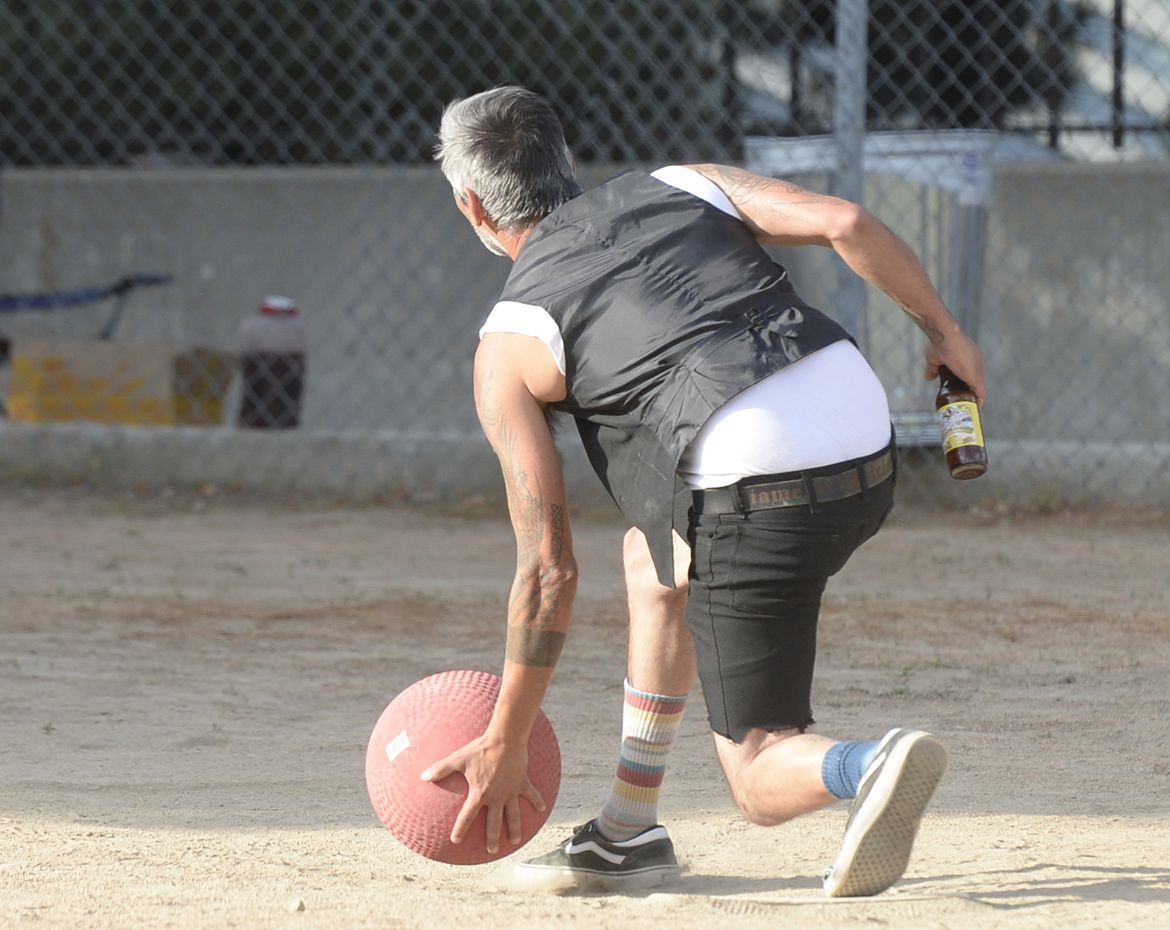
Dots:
{"x": 560, "y": 880}
{"x": 877, "y": 845}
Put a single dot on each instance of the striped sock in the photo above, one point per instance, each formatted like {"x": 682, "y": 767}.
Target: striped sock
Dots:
{"x": 650, "y": 723}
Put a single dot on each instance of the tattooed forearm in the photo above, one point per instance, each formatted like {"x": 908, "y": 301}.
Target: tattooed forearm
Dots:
{"x": 556, "y": 531}
{"x": 928, "y": 326}
{"x": 544, "y": 586}
{"x": 540, "y": 648}
{"x": 545, "y": 582}
{"x": 539, "y": 603}
{"x": 542, "y": 594}
{"x": 526, "y": 505}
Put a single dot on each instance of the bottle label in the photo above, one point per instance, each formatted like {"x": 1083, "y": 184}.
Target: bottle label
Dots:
{"x": 960, "y": 425}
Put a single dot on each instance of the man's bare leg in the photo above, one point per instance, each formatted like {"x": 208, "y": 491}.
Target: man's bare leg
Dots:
{"x": 776, "y": 775}
{"x": 659, "y": 673}
{"x": 625, "y": 847}
{"x": 661, "y": 657}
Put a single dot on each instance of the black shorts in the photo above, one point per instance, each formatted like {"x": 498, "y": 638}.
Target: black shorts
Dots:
{"x": 756, "y": 582}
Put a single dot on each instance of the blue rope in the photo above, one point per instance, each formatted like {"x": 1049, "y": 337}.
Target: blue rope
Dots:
{"x": 57, "y": 300}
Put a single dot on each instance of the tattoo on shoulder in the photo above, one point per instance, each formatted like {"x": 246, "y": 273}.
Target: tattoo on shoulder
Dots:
{"x": 738, "y": 182}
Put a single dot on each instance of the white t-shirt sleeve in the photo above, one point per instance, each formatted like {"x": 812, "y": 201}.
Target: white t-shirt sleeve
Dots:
{"x": 511, "y": 316}
{"x": 689, "y": 180}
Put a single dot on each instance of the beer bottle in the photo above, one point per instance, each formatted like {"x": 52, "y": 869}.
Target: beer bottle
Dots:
{"x": 962, "y": 431}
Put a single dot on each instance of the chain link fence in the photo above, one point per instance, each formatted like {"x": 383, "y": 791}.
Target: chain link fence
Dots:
{"x": 165, "y": 168}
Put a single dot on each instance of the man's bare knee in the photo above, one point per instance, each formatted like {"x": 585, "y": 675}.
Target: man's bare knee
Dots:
{"x": 754, "y": 812}
{"x": 754, "y": 788}
{"x": 757, "y": 817}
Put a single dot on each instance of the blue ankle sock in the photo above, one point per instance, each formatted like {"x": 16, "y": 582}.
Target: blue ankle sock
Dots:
{"x": 844, "y": 765}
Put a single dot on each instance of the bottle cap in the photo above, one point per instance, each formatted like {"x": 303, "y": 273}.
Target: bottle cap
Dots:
{"x": 275, "y": 305}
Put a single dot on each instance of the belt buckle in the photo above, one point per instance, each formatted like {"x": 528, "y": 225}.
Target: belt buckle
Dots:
{"x": 738, "y": 505}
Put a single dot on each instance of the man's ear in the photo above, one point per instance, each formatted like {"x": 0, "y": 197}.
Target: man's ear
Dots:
{"x": 461, "y": 203}
{"x": 474, "y": 211}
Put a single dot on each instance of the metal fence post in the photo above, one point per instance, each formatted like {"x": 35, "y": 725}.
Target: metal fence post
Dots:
{"x": 849, "y": 140}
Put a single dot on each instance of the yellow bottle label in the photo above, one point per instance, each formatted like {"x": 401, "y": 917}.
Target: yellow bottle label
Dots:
{"x": 960, "y": 425}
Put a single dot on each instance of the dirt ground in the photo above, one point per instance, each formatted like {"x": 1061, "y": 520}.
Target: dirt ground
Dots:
{"x": 187, "y": 688}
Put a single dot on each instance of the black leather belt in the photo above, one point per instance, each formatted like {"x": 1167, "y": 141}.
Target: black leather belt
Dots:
{"x": 768, "y": 492}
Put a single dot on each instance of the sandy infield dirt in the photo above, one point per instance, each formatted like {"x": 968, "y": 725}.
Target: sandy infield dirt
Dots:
{"x": 186, "y": 692}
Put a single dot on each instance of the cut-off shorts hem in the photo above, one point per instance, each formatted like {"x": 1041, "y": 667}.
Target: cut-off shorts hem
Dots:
{"x": 800, "y": 728}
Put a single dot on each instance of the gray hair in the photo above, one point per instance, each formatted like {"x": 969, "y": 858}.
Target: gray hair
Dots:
{"x": 507, "y": 145}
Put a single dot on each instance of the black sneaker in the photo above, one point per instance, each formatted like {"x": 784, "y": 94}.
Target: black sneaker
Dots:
{"x": 883, "y": 821}
{"x": 590, "y": 862}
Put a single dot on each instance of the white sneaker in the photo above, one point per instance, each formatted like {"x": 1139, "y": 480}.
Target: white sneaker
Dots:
{"x": 883, "y": 822}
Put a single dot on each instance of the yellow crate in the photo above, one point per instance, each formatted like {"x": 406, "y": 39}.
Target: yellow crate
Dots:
{"x": 141, "y": 384}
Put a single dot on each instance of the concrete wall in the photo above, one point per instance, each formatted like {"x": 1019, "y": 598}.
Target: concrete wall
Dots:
{"x": 1079, "y": 299}
{"x": 377, "y": 260}
{"x": 391, "y": 281}
{"x": 1075, "y": 323}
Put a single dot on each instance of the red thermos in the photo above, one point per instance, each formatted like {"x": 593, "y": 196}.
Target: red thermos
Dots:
{"x": 272, "y": 346}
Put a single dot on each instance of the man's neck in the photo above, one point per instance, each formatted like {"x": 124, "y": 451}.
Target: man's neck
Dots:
{"x": 514, "y": 242}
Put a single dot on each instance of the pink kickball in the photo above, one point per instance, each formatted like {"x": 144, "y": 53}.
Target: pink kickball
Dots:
{"x": 427, "y": 722}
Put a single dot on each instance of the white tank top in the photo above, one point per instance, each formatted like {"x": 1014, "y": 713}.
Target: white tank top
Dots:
{"x": 827, "y": 407}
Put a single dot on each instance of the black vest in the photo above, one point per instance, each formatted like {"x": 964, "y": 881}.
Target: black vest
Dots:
{"x": 668, "y": 308}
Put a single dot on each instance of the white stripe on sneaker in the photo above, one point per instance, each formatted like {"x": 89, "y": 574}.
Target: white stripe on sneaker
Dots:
{"x": 590, "y": 846}
{"x": 646, "y": 836}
